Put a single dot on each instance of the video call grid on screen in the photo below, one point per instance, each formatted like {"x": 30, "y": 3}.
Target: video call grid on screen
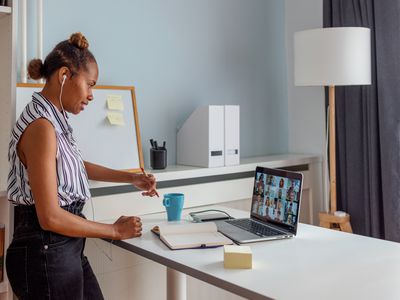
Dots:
{"x": 276, "y": 198}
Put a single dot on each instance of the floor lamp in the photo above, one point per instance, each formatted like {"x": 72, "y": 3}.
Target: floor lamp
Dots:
{"x": 332, "y": 57}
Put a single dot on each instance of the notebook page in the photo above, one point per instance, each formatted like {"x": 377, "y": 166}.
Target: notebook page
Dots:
{"x": 200, "y": 239}
{"x": 187, "y": 228}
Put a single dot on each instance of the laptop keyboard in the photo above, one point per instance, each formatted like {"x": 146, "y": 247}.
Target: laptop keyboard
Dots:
{"x": 254, "y": 227}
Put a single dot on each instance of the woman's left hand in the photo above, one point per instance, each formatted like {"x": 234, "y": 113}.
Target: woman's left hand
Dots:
{"x": 147, "y": 183}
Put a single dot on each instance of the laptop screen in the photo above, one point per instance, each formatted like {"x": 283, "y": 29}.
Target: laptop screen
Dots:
{"x": 276, "y": 196}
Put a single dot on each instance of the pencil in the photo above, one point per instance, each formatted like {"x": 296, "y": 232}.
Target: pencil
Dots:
{"x": 145, "y": 174}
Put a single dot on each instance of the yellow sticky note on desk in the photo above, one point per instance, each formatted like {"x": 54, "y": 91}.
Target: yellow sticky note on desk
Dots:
{"x": 237, "y": 257}
{"x": 115, "y": 102}
{"x": 116, "y": 118}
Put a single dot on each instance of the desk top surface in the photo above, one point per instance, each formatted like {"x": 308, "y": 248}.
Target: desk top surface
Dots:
{"x": 317, "y": 264}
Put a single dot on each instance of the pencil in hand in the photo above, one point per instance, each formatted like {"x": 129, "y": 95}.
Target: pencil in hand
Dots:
{"x": 145, "y": 174}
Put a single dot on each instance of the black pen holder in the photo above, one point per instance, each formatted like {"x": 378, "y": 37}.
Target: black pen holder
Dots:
{"x": 158, "y": 158}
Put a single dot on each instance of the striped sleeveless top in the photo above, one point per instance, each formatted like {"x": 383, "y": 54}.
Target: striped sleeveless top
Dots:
{"x": 72, "y": 179}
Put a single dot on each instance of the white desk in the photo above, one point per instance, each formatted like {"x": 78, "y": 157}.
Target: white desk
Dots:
{"x": 317, "y": 264}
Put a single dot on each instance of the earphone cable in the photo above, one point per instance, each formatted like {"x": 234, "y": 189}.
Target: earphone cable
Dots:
{"x": 61, "y": 91}
{"x": 109, "y": 256}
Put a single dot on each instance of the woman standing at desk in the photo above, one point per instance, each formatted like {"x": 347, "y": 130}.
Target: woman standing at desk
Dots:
{"x": 48, "y": 183}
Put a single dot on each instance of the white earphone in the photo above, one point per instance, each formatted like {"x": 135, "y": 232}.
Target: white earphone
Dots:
{"x": 63, "y": 81}
{"x": 61, "y": 90}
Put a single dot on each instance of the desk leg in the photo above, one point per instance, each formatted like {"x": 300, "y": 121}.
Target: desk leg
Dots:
{"x": 176, "y": 285}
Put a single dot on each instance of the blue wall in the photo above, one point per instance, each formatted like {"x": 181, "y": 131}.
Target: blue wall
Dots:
{"x": 180, "y": 54}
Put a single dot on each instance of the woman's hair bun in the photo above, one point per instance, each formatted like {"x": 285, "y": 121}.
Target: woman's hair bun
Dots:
{"x": 78, "y": 39}
{"x": 35, "y": 69}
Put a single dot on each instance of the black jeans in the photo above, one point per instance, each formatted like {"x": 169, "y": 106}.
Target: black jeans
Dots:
{"x": 45, "y": 265}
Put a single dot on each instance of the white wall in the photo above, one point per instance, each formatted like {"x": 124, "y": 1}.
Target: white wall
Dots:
{"x": 183, "y": 54}
{"x": 306, "y": 105}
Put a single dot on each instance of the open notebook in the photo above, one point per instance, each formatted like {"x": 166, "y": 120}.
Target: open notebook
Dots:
{"x": 191, "y": 235}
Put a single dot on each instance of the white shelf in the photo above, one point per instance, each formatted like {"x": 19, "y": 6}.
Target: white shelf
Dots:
{"x": 3, "y": 286}
{"x": 178, "y": 172}
{"x": 5, "y": 10}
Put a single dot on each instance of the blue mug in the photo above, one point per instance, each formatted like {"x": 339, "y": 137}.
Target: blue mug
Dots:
{"x": 174, "y": 204}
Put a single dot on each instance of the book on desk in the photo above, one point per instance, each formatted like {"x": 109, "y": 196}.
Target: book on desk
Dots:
{"x": 190, "y": 235}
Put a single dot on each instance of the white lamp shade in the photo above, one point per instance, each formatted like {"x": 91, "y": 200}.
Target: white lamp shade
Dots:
{"x": 332, "y": 56}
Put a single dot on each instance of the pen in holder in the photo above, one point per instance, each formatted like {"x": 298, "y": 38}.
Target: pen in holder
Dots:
{"x": 158, "y": 155}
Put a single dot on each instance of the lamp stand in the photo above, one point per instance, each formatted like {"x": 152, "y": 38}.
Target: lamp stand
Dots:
{"x": 329, "y": 219}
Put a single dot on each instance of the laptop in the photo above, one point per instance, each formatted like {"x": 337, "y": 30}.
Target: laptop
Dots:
{"x": 274, "y": 209}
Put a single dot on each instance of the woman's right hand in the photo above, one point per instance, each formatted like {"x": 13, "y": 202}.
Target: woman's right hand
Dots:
{"x": 127, "y": 227}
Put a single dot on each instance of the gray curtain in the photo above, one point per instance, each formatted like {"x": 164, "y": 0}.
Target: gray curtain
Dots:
{"x": 368, "y": 122}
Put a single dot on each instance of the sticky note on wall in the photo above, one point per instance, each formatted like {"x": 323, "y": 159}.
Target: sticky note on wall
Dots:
{"x": 116, "y": 118}
{"x": 114, "y": 102}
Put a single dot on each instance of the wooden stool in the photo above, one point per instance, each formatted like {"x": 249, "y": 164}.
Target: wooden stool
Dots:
{"x": 329, "y": 220}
